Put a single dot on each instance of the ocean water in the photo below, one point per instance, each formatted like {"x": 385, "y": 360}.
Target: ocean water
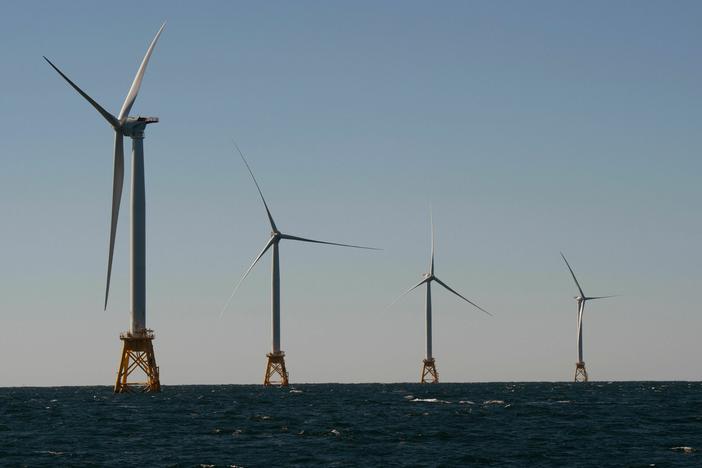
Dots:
{"x": 492, "y": 424}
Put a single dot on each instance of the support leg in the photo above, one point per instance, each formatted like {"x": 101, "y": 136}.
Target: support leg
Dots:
{"x": 580, "y": 372}
{"x": 276, "y": 374}
{"x": 138, "y": 353}
{"x": 429, "y": 372}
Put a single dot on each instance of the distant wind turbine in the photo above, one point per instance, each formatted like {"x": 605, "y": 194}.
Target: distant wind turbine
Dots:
{"x": 276, "y": 358}
{"x": 137, "y": 342}
{"x": 429, "y": 372}
{"x": 580, "y": 370}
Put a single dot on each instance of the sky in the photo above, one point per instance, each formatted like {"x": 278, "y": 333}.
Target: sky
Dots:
{"x": 531, "y": 128}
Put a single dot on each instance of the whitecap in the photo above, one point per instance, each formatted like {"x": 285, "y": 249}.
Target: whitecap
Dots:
{"x": 51, "y": 452}
{"x": 494, "y": 402}
{"x": 466, "y": 402}
{"x": 295, "y": 391}
{"x": 430, "y": 400}
{"x": 683, "y": 449}
{"x": 335, "y": 432}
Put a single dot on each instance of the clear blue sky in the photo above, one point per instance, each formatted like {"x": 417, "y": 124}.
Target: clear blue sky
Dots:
{"x": 532, "y": 127}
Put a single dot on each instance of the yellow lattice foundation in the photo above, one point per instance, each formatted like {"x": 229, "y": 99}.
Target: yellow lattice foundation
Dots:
{"x": 429, "y": 372}
{"x": 580, "y": 372}
{"x": 275, "y": 370}
{"x": 138, "y": 353}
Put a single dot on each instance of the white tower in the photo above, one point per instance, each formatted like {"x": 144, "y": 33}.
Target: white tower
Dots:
{"x": 137, "y": 350}
{"x": 276, "y": 373}
{"x": 580, "y": 370}
{"x": 429, "y": 373}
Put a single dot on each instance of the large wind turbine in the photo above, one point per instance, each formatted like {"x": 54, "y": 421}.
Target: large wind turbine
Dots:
{"x": 580, "y": 371}
{"x": 137, "y": 342}
{"x": 429, "y": 372}
{"x": 276, "y": 358}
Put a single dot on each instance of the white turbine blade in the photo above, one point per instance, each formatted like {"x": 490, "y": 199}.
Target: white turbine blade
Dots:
{"x": 117, "y": 184}
{"x": 268, "y": 212}
{"x": 408, "y": 291}
{"x": 302, "y": 239}
{"x": 468, "y": 301}
{"x": 600, "y": 297}
{"x": 582, "y": 294}
{"x": 109, "y": 117}
{"x": 265, "y": 249}
{"x": 136, "y": 84}
{"x": 431, "y": 221}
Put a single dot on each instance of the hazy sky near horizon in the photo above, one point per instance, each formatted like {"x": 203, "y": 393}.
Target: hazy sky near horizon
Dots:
{"x": 531, "y": 128}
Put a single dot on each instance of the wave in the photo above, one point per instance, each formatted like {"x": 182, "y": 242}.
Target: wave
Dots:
{"x": 683, "y": 449}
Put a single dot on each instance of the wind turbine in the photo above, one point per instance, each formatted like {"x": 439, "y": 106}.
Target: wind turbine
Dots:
{"x": 580, "y": 371}
{"x": 276, "y": 358}
{"x": 137, "y": 351}
{"x": 429, "y": 372}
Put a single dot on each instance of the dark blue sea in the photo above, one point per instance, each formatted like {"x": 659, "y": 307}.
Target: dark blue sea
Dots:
{"x": 494, "y": 424}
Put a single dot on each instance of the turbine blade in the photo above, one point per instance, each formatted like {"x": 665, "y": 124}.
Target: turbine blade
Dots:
{"x": 302, "y": 239}
{"x": 600, "y": 297}
{"x": 407, "y": 292}
{"x": 582, "y": 294}
{"x": 268, "y": 212}
{"x": 468, "y": 301}
{"x": 109, "y": 117}
{"x": 265, "y": 249}
{"x": 136, "y": 84}
{"x": 117, "y": 184}
{"x": 431, "y": 221}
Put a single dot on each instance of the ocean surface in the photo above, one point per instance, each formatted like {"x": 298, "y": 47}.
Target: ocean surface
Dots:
{"x": 492, "y": 424}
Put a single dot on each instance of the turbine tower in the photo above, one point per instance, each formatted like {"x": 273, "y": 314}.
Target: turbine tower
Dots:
{"x": 137, "y": 349}
{"x": 580, "y": 371}
{"x": 429, "y": 372}
{"x": 276, "y": 373}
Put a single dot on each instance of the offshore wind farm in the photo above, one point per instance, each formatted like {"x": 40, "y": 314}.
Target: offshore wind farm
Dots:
{"x": 528, "y": 129}
{"x": 347, "y": 198}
